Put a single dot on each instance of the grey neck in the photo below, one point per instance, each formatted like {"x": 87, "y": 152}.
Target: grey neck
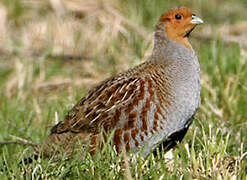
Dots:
{"x": 167, "y": 49}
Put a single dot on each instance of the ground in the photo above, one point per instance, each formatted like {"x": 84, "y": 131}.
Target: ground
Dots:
{"x": 52, "y": 52}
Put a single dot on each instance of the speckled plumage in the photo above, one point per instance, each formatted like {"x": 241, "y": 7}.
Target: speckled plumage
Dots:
{"x": 144, "y": 105}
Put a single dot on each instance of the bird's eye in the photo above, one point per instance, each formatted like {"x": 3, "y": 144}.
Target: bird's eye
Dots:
{"x": 178, "y": 16}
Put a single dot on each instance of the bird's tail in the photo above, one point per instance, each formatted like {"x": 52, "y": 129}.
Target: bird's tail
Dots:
{"x": 64, "y": 144}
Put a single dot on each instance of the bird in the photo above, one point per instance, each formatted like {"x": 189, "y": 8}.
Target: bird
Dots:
{"x": 148, "y": 105}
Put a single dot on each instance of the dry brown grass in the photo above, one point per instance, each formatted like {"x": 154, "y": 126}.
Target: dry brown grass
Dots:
{"x": 58, "y": 49}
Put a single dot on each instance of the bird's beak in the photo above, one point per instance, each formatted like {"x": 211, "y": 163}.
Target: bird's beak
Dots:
{"x": 196, "y": 20}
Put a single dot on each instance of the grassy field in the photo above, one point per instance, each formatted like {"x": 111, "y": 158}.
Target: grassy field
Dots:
{"x": 52, "y": 52}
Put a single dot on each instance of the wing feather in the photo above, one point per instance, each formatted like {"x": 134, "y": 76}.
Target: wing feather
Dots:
{"x": 100, "y": 105}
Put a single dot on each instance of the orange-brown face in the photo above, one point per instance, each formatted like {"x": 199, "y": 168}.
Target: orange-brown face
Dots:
{"x": 179, "y": 23}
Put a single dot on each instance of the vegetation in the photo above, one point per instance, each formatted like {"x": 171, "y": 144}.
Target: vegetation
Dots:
{"x": 52, "y": 52}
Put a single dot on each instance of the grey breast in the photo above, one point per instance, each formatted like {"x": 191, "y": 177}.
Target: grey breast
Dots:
{"x": 184, "y": 70}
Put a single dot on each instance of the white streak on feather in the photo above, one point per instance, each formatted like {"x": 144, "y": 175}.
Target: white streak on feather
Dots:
{"x": 108, "y": 101}
{"x": 110, "y": 108}
{"x": 125, "y": 94}
{"x": 87, "y": 115}
{"x": 122, "y": 88}
{"x": 100, "y": 111}
{"x": 131, "y": 83}
{"x": 95, "y": 106}
{"x": 76, "y": 123}
{"x": 94, "y": 119}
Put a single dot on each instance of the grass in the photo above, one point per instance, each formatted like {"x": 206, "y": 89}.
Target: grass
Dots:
{"x": 39, "y": 83}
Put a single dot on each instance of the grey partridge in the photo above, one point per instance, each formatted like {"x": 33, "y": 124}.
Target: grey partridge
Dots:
{"x": 144, "y": 106}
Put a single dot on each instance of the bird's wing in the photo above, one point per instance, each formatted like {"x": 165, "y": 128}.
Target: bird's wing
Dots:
{"x": 102, "y": 106}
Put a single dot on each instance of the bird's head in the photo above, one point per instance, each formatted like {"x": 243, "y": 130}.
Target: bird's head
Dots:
{"x": 179, "y": 23}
